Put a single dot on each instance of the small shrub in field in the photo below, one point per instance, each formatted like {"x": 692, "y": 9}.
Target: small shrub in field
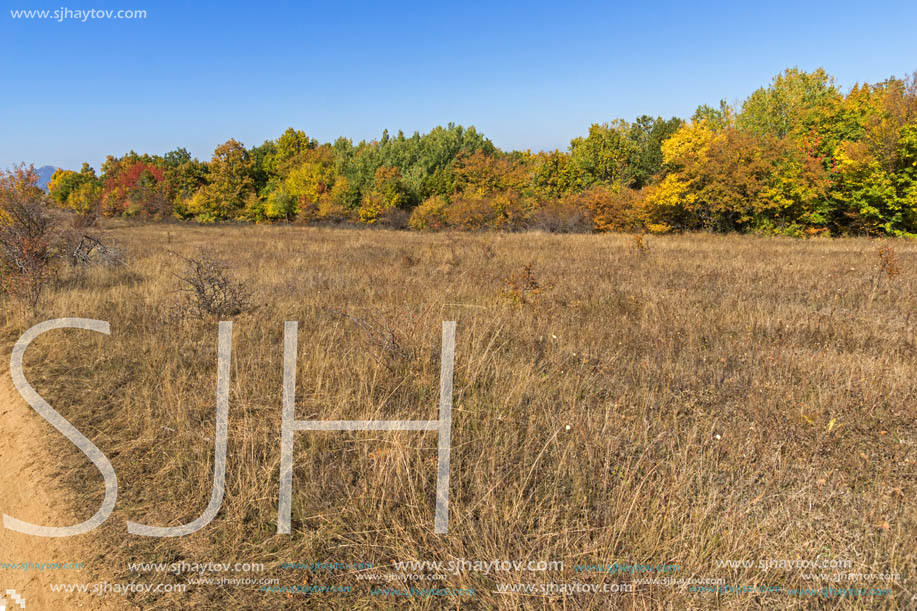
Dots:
{"x": 889, "y": 263}
{"x": 28, "y": 236}
{"x": 209, "y": 291}
{"x": 522, "y": 286}
{"x": 639, "y": 243}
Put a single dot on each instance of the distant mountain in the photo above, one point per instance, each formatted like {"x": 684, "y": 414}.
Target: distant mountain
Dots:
{"x": 44, "y": 175}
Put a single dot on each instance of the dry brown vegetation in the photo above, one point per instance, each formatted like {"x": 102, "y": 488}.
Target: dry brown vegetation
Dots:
{"x": 728, "y": 397}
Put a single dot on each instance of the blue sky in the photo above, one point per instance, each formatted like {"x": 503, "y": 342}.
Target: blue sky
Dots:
{"x": 529, "y": 75}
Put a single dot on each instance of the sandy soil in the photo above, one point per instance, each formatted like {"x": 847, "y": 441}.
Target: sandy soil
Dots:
{"x": 28, "y": 492}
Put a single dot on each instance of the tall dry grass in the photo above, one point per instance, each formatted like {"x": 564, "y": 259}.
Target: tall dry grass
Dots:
{"x": 728, "y": 398}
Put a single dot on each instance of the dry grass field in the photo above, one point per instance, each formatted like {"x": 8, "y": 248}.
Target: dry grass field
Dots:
{"x": 680, "y": 400}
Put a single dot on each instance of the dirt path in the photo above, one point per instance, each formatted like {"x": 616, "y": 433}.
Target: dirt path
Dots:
{"x": 28, "y": 492}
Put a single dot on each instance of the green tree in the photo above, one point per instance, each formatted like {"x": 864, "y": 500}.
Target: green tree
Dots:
{"x": 716, "y": 119}
{"x": 645, "y": 136}
{"x": 603, "y": 155}
{"x": 555, "y": 174}
{"x": 788, "y": 104}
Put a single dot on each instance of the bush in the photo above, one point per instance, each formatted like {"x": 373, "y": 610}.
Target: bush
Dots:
{"x": 511, "y": 210}
{"x": 28, "y": 236}
{"x": 334, "y": 211}
{"x": 659, "y": 228}
{"x": 209, "y": 291}
{"x": 889, "y": 262}
{"x": 470, "y": 213}
{"x": 430, "y": 215}
{"x": 614, "y": 208}
{"x": 522, "y": 287}
{"x": 562, "y": 217}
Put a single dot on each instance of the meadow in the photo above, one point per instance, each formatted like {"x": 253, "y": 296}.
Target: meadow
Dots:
{"x": 686, "y": 399}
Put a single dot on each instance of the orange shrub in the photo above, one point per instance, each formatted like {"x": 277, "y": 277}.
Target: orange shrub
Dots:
{"x": 511, "y": 210}
{"x": 470, "y": 213}
{"x": 430, "y": 215}
{"x": 612, "y": 208}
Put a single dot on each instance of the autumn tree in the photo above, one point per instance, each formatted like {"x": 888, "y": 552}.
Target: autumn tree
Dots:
{"x": 135, "y": 185}
{"x": 79, "y": 191}
{"x": 387, "y": 193}
{"x": 555, "y": 174}
{"x": 798, "y": 157}
{"x": 480, "y": 173}
{"x": 229, "y": 183}
{"x": 289, "y": 147}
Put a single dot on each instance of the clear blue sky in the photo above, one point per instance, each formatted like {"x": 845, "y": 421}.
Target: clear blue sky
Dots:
{"x": 529, "y": 75}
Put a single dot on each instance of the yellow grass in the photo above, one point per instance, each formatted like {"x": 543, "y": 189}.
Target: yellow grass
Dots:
{"x": 728, "y": 398}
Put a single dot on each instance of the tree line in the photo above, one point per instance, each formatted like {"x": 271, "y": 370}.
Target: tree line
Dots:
{"x": 798, "y": 157}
